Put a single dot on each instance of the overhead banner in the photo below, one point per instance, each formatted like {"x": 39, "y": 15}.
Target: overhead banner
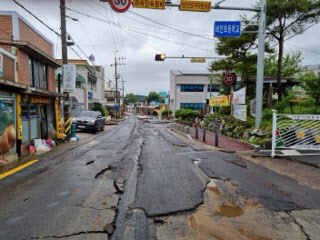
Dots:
{"x": 240, "y": 112}
{"x": 239, "y": 97}
{"x": 69, "y": 77}
{"x": 219, "y": 101}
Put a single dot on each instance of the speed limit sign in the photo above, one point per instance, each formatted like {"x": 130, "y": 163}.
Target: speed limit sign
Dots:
{"x": 120, "y": 5}
{"x": 229, "y": 78}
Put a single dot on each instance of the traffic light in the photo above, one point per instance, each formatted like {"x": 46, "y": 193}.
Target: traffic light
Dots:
{"x": 160, "y": 57}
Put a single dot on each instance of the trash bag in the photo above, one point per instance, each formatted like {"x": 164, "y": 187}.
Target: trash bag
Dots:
{"x": 52, "y": 131}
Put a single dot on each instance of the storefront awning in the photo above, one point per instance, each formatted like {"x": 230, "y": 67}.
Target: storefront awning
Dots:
{"x": 33, "y": 51}
{"x": 12, "y": 84}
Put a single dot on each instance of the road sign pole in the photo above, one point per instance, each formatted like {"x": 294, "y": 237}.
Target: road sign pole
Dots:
{"x": 260, "y": 67}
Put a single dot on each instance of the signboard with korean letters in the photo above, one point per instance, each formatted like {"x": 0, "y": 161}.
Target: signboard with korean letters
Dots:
{"x": 227, "y": 28}
{"x": 69, "y": 77}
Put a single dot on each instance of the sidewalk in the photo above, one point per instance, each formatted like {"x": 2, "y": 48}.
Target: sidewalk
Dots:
{"x": 304, "y": 174}
{"x": 62, "y": 148}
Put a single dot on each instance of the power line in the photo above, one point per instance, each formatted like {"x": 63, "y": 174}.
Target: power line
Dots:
{"x": 36, "y": 18}
{"x": 303, "y": 48}
{"x": 167, "y": 26}
{"x": 93, "y": 48}
{"x": 298, "y": 33}
{"x": 58, "y": 34}
{"x": 159, "y": 38}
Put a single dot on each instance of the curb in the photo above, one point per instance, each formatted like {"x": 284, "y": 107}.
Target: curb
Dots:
{"x": 254, "y": 147}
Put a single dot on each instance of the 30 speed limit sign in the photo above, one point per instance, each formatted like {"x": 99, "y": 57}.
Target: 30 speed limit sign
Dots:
{"x": 120, "y": 5}
{"x": 229, "y": 78}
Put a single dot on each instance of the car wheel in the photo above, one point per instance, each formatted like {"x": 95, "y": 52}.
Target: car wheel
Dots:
{"x": 102, "y": 129}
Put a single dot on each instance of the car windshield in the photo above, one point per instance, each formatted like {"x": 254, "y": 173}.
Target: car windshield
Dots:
{"x": 86, "y": 114}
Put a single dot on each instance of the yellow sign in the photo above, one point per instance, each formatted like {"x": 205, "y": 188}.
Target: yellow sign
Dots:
{"x": 317, "y": 139}
{"x": 219, "y": 101}
{"x": 156, "y": 4}
{"x": 38, "y": 99}
{"x": 198, "y": 60}
{"x": 198, "y": 6}
{"x": 300, "y": 134}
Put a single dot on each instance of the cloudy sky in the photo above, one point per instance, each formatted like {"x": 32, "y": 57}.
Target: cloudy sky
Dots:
{"x": 138, "y": 39}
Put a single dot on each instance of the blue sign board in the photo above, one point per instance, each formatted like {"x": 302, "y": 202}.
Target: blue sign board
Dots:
{"x": 116, "y": 107}
{"x": 90, "y": 95}
{"x": 227, "y": 29}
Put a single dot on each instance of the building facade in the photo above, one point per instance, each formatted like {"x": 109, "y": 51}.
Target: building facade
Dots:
{"x": 89, "y": 89}
{"x": 28, "y": 99}
{"x": 190, "y": 89}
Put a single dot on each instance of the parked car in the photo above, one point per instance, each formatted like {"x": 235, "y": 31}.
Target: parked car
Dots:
{"x": 90, "y": 120}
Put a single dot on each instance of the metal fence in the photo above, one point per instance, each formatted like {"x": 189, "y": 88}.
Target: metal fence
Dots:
{"x": 295, "y": 132}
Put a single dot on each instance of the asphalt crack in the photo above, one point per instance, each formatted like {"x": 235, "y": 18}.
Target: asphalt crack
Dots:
{"x": 68, "y": 235}
{"x": 292, "y": 218}
{"x": 103, "y": 171}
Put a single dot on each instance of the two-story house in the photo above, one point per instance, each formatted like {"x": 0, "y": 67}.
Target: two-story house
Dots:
{"x": 29, "y": 103}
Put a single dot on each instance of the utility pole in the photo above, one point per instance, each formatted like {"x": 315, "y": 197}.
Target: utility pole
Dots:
{"x": 116, "y": 77}
{"x": 65, "y": 61}
{"x": 122, "y": 93}
{"x": 260, "y": 67}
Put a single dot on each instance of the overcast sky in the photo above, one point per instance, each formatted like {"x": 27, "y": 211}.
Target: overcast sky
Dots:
{"x": 138, "y": 39}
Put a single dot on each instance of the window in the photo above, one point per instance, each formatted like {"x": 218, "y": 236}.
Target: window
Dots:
{"x": 78, "y": 84}
{"x": 37, "y": 74}
{"x": 191, "y": 87}
{"x": 191, "y": 105}
{"x": 214, "y": 88}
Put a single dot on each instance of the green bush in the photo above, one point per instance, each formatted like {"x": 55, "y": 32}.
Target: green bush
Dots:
{"x": 166, "y": 113}
{"x": 98, "y": 107}
{"x": 187, "y": 114}
{"x": 267, "y": 114}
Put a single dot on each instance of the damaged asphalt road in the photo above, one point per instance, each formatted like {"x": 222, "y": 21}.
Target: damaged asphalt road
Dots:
{"x": 141, "y": 182}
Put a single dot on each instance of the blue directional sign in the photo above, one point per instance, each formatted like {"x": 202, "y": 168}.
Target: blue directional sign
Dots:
{"x": 227, "y": 28}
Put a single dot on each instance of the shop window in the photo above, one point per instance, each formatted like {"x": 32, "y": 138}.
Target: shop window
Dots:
{"x": 191, "y": 87}
{"x": 7, "y": 127}
{"x": 37, "y": 74}
{"x": 191, "y": 105}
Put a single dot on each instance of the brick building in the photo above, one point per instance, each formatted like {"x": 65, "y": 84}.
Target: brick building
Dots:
{"x": 29, "y": 103}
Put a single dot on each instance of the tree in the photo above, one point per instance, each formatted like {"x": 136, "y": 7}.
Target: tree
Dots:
{"x": 285, "y": 17}
{"x": 291, "y": 65}
{"x": 130, "y": 98}
{"x": 311, "y": 84}
{"x": 238, "y": 55}
{"x": 153, "y": 96}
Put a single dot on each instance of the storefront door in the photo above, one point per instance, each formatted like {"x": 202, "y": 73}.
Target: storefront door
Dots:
{"x": 43, "y": 119}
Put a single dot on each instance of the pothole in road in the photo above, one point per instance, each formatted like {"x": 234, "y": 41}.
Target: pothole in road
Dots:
{"x": 230, "y": 211}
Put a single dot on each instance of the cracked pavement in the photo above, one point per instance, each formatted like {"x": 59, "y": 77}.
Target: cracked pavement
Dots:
{"x": 141, "y": 181}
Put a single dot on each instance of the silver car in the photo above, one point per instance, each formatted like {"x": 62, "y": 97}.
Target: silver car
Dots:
{"x": 90, "y": 120}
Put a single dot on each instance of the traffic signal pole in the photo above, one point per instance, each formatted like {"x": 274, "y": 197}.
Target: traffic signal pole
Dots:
{"x": 260, "y": 66}
{"x": 261, "y": 51}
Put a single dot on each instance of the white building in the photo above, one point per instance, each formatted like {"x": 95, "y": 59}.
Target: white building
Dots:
{"x": 190, "y": 89}
{"x": 90, "y": 86}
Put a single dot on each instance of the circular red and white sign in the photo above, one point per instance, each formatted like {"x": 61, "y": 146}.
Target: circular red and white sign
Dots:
{"x": 120, "y": 5}
{"x": 229, "y": 78}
